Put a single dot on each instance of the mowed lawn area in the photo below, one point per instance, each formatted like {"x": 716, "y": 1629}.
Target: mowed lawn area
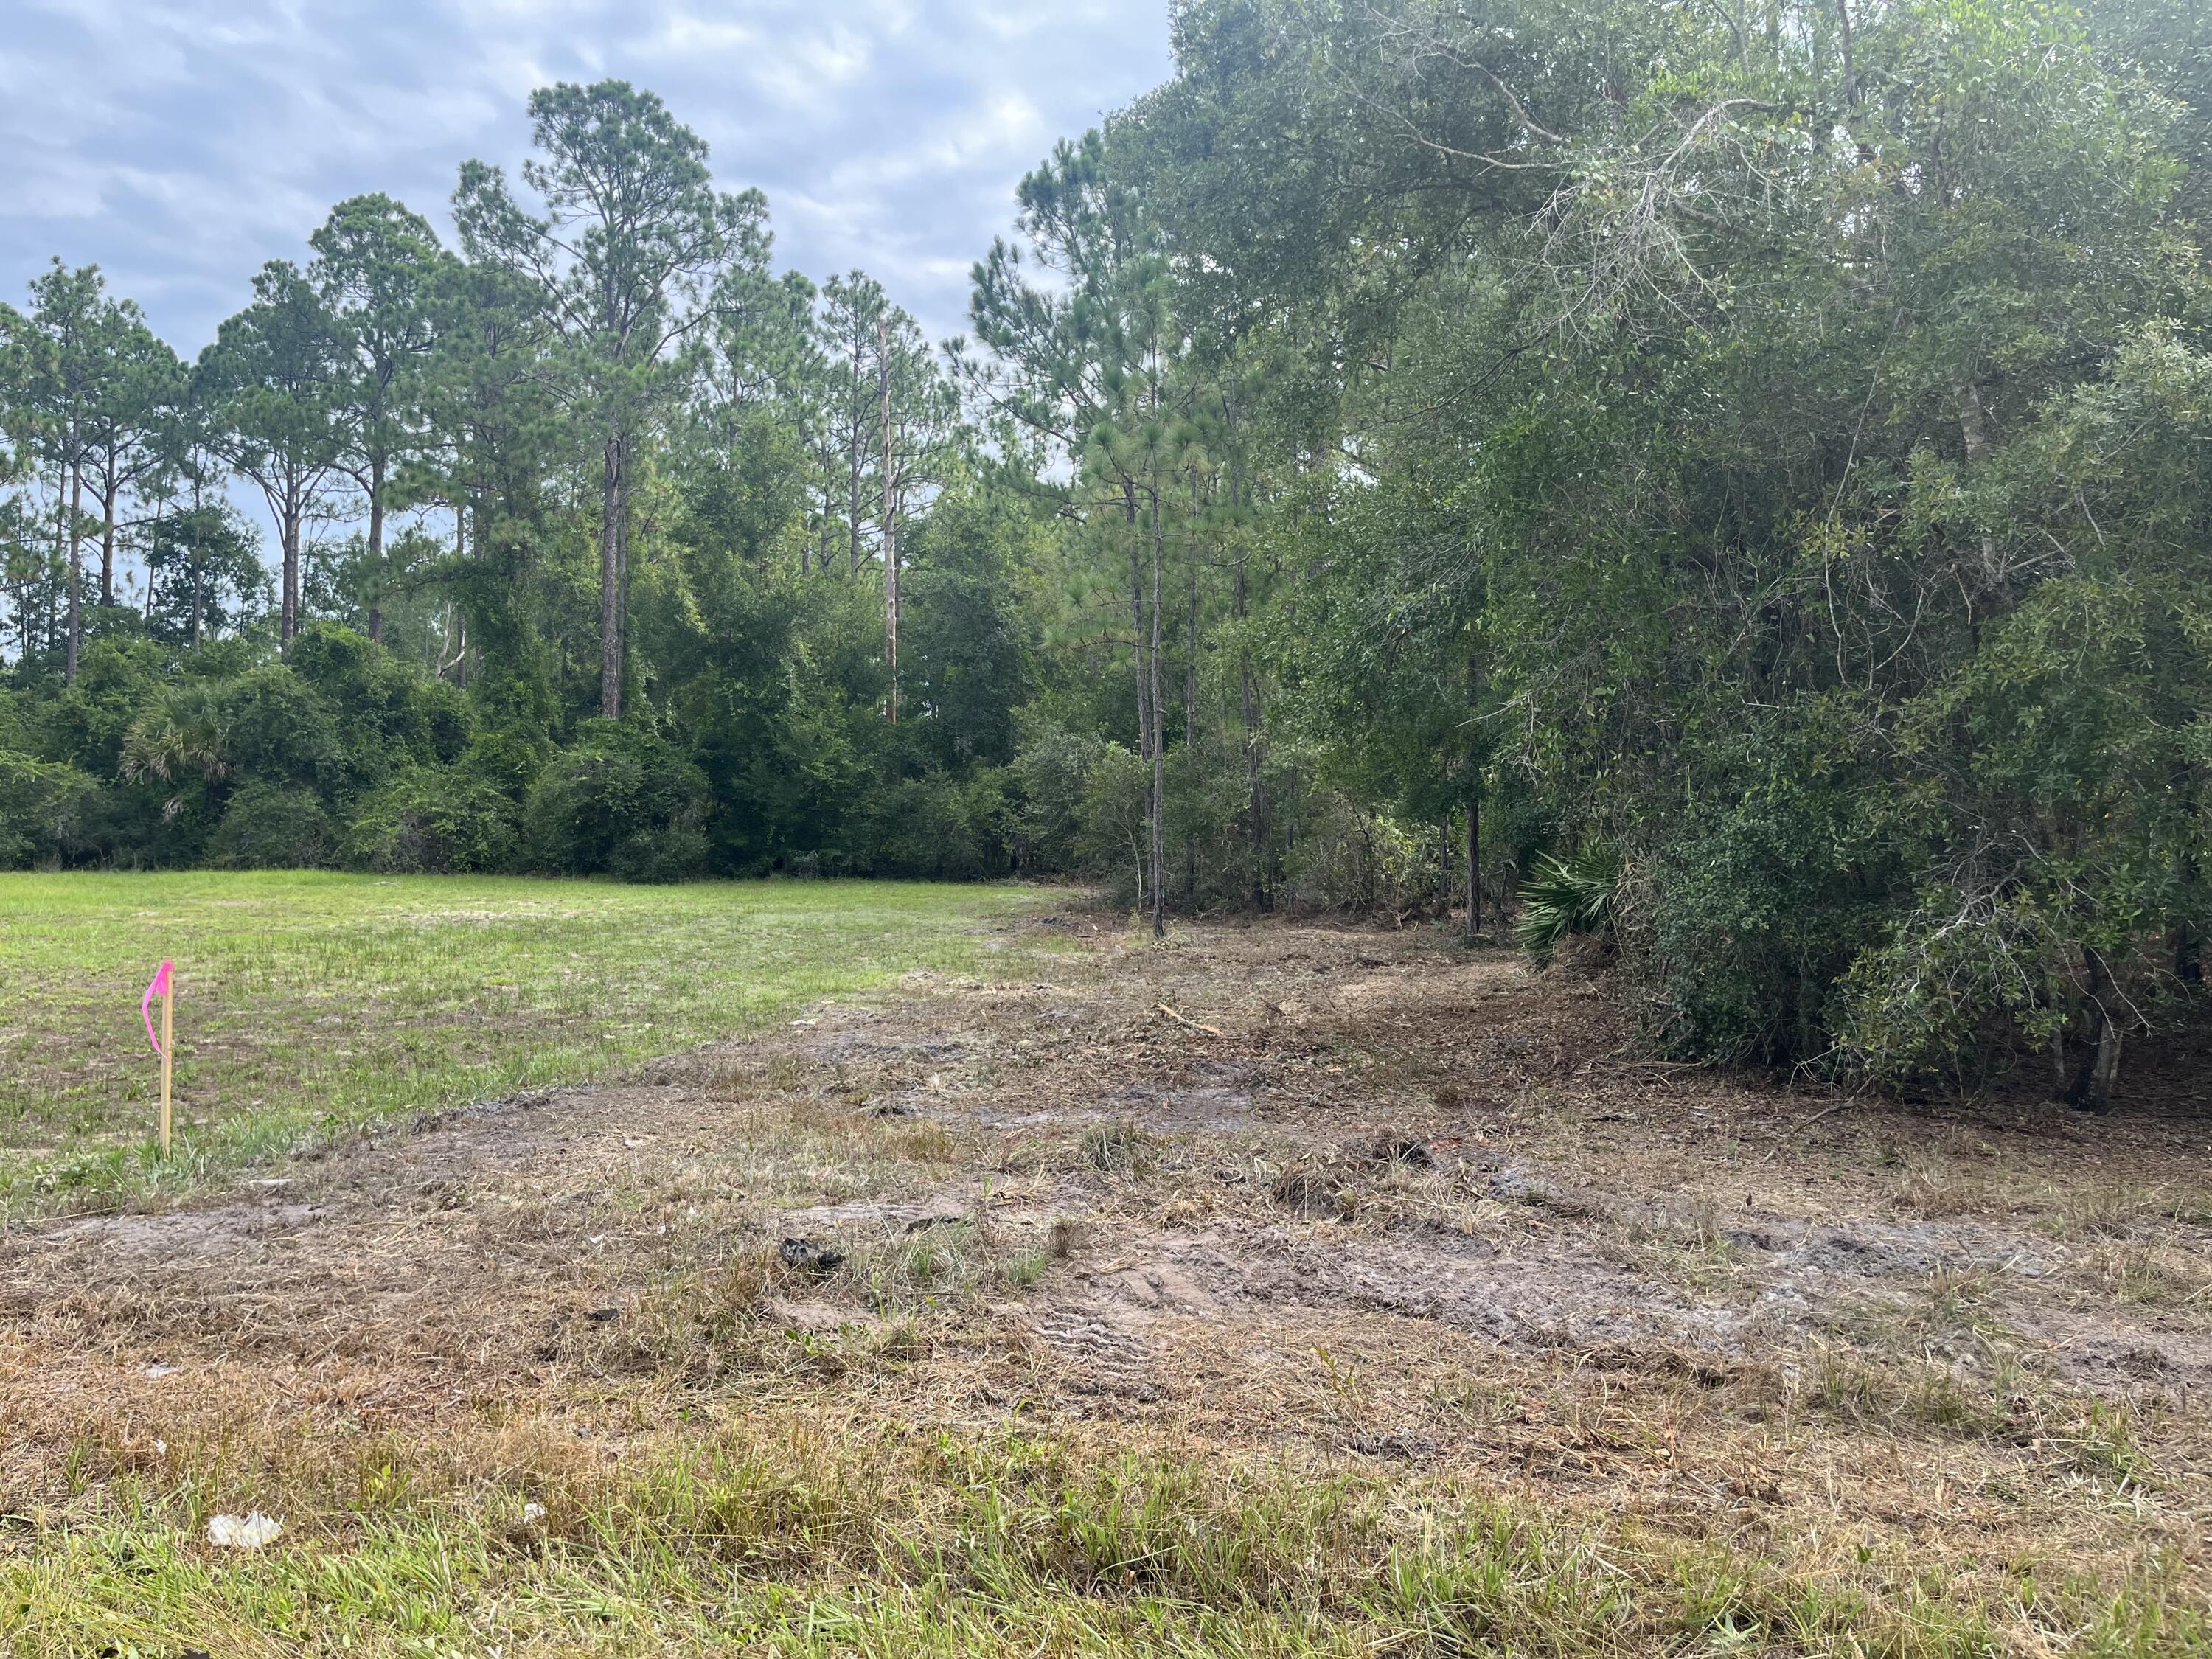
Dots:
{"x": 308, "y": 1002}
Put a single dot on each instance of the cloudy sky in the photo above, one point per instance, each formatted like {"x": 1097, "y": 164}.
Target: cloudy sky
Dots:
{"x": 178, "y": 145}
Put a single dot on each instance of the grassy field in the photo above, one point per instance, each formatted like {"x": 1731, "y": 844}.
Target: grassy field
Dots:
{"x": 309, "y": 1003}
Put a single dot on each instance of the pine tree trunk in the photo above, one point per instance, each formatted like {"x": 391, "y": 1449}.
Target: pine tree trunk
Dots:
{"x": 1137, "y": 622}
{"x": 621, "y": 557}
{"x": 1190, "y": 712}
{"x": 107, "y": 539}
{"x": 1255, "y": 795}
{"x": 611, "y": 578}
{"x": 61, "y": 554}
{"x": 1474, "y": 868}
{"x": 288, "y": 618}
{"x": 2188, "y": 937}
{"x": 853, "y": 474}
{"x": 376, "y": 549}
{"x": 1190, "y": 665}
{"x": 1474, "y": 817}
{"x": 890, "y": 518}
{"x": 198, "y": 574}
{"x": 1443, "y": 865}
{"x": 1159, "y": 739}
{"x": 76, "y": 577}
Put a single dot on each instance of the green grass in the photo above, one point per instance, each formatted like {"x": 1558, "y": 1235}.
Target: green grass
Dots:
{"x": 895, "y": 1540}
{"x": 310, "y": 1003}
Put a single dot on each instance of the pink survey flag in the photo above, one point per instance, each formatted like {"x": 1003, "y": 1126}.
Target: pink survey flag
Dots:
{"x": 159, "y": 987}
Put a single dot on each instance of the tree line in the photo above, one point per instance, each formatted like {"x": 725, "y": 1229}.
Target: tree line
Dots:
{"x": 1728, "y": 474}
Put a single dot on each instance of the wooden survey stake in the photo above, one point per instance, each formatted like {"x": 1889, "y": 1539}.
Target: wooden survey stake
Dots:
{"x": 163, "y": 987}
{"x": 168, "y": 1038}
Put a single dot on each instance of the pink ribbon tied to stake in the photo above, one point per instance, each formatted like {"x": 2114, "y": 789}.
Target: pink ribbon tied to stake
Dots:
{"x": 159, "y": 987}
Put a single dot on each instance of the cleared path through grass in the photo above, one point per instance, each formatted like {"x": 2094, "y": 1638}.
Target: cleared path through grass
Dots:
{"x": 310, "y": 1002}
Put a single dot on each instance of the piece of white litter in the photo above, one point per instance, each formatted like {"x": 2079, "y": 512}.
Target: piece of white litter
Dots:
{"x": 533, "y": 1511}
{"x": 155, "y": 1373}
{"x": 804, "y": 1022}
{"x": 161, "y": 1448}
{"x": 248, "y": 1532}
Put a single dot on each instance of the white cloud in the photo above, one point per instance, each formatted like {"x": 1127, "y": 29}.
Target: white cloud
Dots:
{"x": 686, "y": 37}
{"x": 179, "y": 146}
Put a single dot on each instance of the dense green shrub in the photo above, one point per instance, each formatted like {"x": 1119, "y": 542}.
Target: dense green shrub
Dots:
{"x": 272, "y": 826}
{"x": 388, "y": 715}
{"x": 279, "y": 729}
{"x": 434, "y": 821}
{"x": 2084, "y": 712}
{"x": 84, "y": 724}
{"x": 946, "y": 826}
{"x": 40, "y": 804}
{"x": 1753, "y": 913}
{"x": 1113, "y": 816}
{"x": 1051, "y": 777}
{"x": 1207, "y": 847}
{"x": 1350, "y": 858}
{"x": 622, "y": 802}
{"x": 506, "y": 759}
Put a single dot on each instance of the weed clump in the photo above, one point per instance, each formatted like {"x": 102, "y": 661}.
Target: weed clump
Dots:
{"x": 1120, "y": 1149}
